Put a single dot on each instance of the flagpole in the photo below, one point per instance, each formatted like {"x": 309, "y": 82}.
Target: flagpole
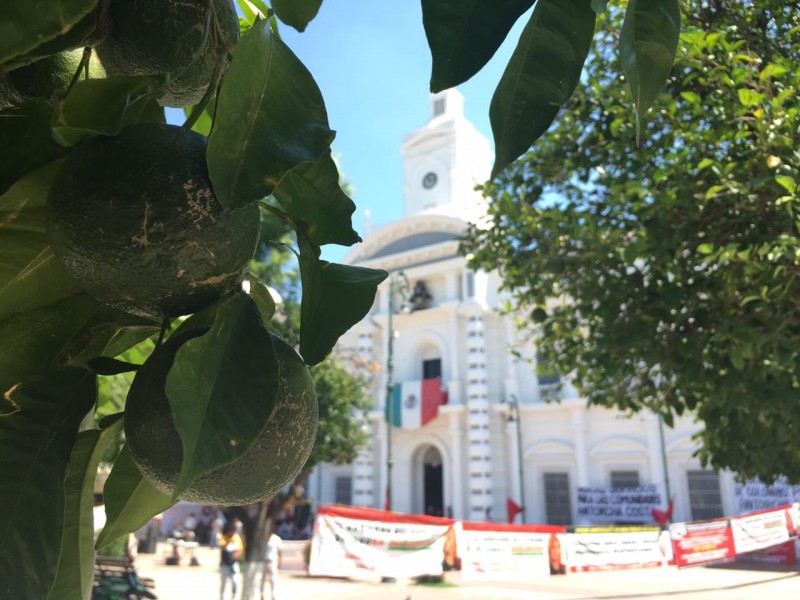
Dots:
{"x": 397, "y": 282}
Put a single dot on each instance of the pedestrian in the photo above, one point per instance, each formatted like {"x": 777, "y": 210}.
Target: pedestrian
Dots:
{"x": 189, "y": 528}
{"x": 271, "y": 566}
{"x": 216, "y": 529}
{"x": 231, "y": 550}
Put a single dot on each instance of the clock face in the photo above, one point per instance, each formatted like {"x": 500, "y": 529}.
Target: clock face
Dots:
{"x": 429, "y": 180}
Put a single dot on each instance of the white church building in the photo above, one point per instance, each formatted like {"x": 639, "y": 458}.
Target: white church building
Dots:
{"x": 497, "y": 437}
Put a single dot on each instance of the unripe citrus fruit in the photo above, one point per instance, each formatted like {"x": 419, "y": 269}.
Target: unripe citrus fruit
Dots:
{"x": 47, "y": 78}
{"x": 169, "y": 37}
{"x": 134, "y": 221}
{"x": 274, "y": 460}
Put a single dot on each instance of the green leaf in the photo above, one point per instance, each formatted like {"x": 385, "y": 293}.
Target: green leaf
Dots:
{"x": 599, "y": 6}
{"x": 104, "y": 106}
{"x": 705, "y": 249}
{"x": 103, "y": 365}
{"x": 311, "y": 194}
{"x": 251, "y": 15}
{"x": 39, "y": 419}
{"x": 705, "y": 163}
{"x": 25, "y": 24}
{"x": 68, "y": 332}
{"x": 335, "y": 297}
{"x": 541, "y": 75}
{"x": 25, "y": 141}
{"x": 787, "y": 182}
{"x": 263, "y": 299}
{"x": 772, "y": 70}
{"x": 222, "y": 388}
{"x": 463, "y": 35}
{"x": 749, "y": 97}
{"x": 647, "y": 44}
{"x": 76, "y": 564}
{"x": 690, "y": 97}
{"x": 205, "y": 121}
{"x": 130, "y": 500}
{"x": 81, "y": 35}
{"x": 30, "y": 276}
{"x": 296, "y": 13}
{"x": 270, "y": 118}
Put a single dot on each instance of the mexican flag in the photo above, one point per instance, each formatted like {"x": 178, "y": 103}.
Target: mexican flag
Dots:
{"x": 415, "y": 403}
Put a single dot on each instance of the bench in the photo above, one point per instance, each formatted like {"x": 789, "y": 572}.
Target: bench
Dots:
{"x": 118, "y": 566}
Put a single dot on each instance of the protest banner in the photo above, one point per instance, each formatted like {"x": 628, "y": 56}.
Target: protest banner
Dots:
{"x": 782, "y": 554}
{"x": 702, "y": 542}
{"x": 500, "y": 551}
{"x": 753, "y": 495}
{"x": 622, "y": 505}
{"x": 606, "y": 548}
{"x": 763, "y": 529}
{"x": 363, "y": 543}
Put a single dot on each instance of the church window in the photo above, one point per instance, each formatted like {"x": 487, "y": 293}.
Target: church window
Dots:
{"x": 624, "y": 479}
{"x": 469, "y": 284}
{"x": 344, "y": 490}
{"x": 438, "y": 107}
{"x": 557, "y": 503}
{"x": 432, "y": 368}
{"x": 545, "y": 372}
{"x": 705, "y": 498}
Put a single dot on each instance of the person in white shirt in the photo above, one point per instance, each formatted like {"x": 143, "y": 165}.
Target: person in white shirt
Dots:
{"x": 271, "y": 566}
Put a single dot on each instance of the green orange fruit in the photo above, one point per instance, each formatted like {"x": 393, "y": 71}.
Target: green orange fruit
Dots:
{"x": 177, "y": 38}
{"x": 274, "y": 460}
{"x": 134, "y": 220}
{"x": 47, "y": 78}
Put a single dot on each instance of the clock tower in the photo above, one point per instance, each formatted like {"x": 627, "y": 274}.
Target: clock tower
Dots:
{"x": 444, "y": 160}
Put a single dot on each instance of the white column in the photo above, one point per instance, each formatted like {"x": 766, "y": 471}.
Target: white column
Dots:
{"x": 455, "y": 348}
{"x": 478, "y": 436}
{"x": 581, "y": 456}
{"x": 459, "y": 490}
{"x": 363, "y": 466}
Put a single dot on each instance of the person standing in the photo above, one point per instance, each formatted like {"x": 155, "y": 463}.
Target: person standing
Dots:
{"x": 217, "y": 523}
{"x": 271, "y": 566}
{"x": 231, "y": 550}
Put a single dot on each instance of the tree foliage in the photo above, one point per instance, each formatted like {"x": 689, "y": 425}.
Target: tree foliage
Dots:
{"x": 665, "y": 275}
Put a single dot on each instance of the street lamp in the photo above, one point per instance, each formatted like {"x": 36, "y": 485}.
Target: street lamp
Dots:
{"x": 513, "y": 415}
{"x": 398, "y": 283}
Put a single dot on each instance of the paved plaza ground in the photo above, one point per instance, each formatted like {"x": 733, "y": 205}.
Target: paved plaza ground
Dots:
{"x": 201, "y": 582}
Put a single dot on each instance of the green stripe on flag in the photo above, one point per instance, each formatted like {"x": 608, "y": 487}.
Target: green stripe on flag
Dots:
{"x": 394, "y": 408}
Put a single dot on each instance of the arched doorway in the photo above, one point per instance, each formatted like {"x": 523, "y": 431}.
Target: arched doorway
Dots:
{"x": 432, "y": 482}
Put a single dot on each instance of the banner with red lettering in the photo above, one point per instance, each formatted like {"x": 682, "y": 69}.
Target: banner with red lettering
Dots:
{"x": 763, "y": 529}
{"x": 501, "y": 551}
{"x": 606, "y": 548}
{"x": 702, "y": 542}
{"x": 782, "y": 554}
{"x": 363, "y": 543}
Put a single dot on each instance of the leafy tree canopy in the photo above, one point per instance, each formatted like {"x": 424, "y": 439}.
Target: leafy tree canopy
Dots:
{"x": 665, "y": 275}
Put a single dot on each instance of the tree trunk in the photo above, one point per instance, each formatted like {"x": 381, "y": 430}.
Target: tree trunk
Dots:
{"x": 252, "y": 577}
{"x": 258, "y": 528}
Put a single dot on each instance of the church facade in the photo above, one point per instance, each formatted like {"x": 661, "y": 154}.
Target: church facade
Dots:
{"x": 500, "y": 435}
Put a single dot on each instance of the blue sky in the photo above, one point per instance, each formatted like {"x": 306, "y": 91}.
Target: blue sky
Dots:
{"x": 371, "y": 60}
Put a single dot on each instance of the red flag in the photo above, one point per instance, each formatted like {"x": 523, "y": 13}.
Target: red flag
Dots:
{"x": 513, "y": 509}
{"x": 662, "y": 517}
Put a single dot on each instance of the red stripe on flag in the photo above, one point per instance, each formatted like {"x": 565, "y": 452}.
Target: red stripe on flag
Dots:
{"x": 432, "y": 398}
